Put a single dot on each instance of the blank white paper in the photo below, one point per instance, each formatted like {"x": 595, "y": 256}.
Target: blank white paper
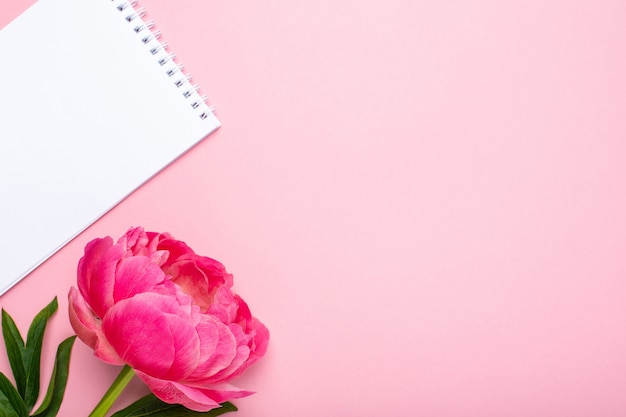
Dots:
{"x": 87, "y": 114}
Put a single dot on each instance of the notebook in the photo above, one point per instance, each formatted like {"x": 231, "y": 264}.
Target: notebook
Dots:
{"x": 92, "y": 105}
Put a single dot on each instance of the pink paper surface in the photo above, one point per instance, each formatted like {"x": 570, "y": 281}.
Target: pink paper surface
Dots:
{"x": 424, "y": 202}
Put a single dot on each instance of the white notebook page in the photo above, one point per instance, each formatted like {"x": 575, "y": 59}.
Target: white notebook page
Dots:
{"x": 87, "y": 114}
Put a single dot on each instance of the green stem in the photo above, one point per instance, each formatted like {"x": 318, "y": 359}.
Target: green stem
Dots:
{"x": 113, "y": 392}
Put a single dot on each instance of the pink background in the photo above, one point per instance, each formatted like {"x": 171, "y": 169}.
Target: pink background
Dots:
{"x": 424, "y": 201}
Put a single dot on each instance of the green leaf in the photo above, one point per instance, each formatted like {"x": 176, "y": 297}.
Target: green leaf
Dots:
{"x": 14, "y": 345}
{"x": 11, "y": 404}
{"x": 58, "y": 380}
{"x": 6, "y": 409}
{"x": 32, "y": 359}
{"x": 153, "y": 407}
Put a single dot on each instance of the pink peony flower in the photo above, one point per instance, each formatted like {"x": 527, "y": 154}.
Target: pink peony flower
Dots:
{"x": 150, "y": 302}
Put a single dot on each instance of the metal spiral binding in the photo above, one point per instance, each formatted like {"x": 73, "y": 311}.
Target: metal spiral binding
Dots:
{"x": 150, "y": 38}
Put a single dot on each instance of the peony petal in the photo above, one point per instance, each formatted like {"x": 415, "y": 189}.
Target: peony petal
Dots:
{"x": 136, "y": 275}
{"x": 224, "y": 305}
{"x": 81, "y": 318}
{"x": 176, "y": 249}
{"x": 215, "y": 271}
{"x": 192, "y": 281}
{"x": 88, "y": 329}
{"x": 133, "y": 242}
{"x": 260, "y": 338}
{"x": 225, "y": 392}
{"x": 177, "y": 393}
{"x": 251, "y": 347}
{"x": 243, "y": 312}
{"x": 186, "y": 347}
{"x": 159, "y": 257}
{"x": 219, "y": 348}
{"x": 239, "y": 362}
{"x": 153, "y": 333}
{"x": 94, "y": 250}
{"x": 96, "y": 274}
{"x": 138, "y": 330}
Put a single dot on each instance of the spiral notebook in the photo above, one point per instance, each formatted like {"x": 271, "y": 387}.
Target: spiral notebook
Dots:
{"x": 92, "y": 105}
